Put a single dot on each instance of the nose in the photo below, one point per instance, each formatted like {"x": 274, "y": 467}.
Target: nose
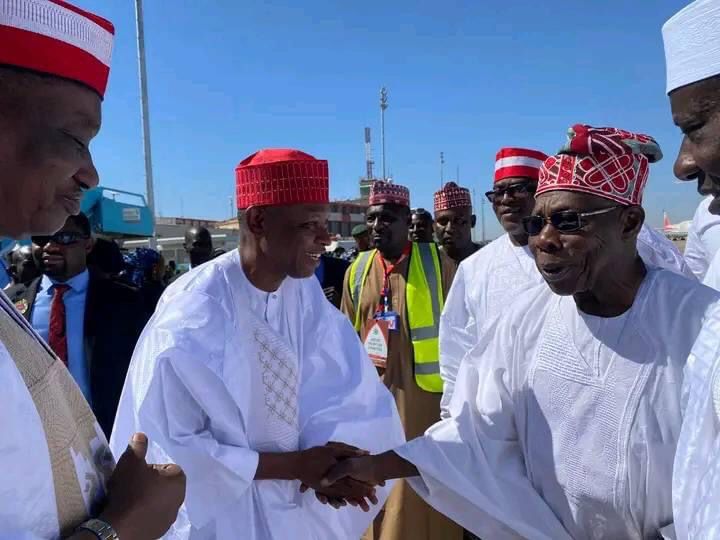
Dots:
{"x": 548, "y": 240}
{"x": 88, "y": 175}
{"x": 375, "y": 224}
{"x": 685, "y": 167}
{"x": 324, "y": 237}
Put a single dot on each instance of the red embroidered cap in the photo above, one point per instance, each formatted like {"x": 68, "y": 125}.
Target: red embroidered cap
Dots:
{"x": 56, "y": 38}
{"x": 275, "y": 177}
{"x": 452, "y": 196}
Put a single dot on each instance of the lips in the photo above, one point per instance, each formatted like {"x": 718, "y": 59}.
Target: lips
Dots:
{"x": 555, "y": 272}
{"x": 315, "y": 256}
{"x": 72, "y": 204}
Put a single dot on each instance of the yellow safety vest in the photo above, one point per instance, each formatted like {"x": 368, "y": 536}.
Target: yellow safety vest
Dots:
{"x": 424, "y": 297}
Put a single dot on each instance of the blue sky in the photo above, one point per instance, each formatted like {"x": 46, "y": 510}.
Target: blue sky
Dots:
{"x": 228, "y": 77}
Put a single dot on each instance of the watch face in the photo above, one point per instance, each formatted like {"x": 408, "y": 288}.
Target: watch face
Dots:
{"x": 101, "y": 529}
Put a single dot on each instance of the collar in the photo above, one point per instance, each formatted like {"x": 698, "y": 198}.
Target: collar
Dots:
{"x": 78, "y": 283}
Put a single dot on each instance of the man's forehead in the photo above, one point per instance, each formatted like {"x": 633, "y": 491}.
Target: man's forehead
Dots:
{"x": 514, "y": 180}
{"x": 694, "y": 100}
{"x": 555, "y": 201}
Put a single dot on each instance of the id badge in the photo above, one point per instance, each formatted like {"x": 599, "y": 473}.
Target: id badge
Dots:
{"x": 376, "y": 336}
{"x": 391, "y": 317}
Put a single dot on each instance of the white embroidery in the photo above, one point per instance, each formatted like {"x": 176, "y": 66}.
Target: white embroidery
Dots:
{"x": 279, "y": 381}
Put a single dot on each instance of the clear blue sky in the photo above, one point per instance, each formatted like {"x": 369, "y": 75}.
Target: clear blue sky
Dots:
{"x": 228, "y": 77}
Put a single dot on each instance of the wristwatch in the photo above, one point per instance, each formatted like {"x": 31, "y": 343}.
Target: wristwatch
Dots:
{"x": 101, "y": 529}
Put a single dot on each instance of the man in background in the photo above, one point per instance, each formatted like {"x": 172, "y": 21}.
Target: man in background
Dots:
{"x": 92, "y": 324}
{"x": 25, "y": 264}
{"x": 198, "y": 246}
{"x": 361, "y": 235}
{"x": 454, "y": 222}
{"x": 421, "y": 226}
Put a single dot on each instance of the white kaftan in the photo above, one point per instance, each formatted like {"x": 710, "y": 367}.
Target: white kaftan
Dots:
{"x": 488, "y": 281}
{"x": 564, "y": 424}
{"x": 696, "y": 476}
{"x": 224, "y": 371}
{"x": 703, "y": 240}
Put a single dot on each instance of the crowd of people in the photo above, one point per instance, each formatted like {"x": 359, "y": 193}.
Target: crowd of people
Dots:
{"x": 561, "y": 382}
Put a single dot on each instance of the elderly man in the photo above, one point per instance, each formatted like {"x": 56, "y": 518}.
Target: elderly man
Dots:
{"x": 55, "y": 464}
{"x": 504, "y": 270}
{"x": 246, "y": 372}
{"x": 394, "y": 295}
{"x": 566, "y": 415}
{"x": 693, "y": 84}
{"x": 454, "y": 222}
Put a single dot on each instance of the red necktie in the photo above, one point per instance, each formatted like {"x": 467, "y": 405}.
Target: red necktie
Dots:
{"x": 57, "y": 336}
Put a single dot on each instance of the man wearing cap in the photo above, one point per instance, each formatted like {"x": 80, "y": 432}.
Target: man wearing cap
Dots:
{"x": 246, "y": 373}
{"x": 454, "y": 222}
{"x": 693, "y": 85}
{"x": 394, "y": 294}
{"x": 361, "y": 235}
{"x": 488, "y": 281}
{"x": 55, "y": 463}
{"x": 566, "y": 414}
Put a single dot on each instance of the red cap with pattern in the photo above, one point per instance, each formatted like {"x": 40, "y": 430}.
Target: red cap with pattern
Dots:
{"x": 607, "y": 162}
{"x": 56, "y": 38}
{"x": 388, "y": 193}
{"x": 277, "y": 177}
{"x": 518, "y": 162}
{"x": 452, "y": 196}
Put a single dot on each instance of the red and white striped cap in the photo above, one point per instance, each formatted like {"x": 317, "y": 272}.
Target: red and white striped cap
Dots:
{"x": 56, "y": 38}
{"x": 518, "y": 162}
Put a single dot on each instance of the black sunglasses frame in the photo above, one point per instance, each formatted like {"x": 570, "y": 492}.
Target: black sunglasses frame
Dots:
{"x": 512, "y": 190}
{"x": 557, "y": 218}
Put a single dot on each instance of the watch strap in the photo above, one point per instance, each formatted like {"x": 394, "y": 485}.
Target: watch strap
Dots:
{"x": 100, "y": 528}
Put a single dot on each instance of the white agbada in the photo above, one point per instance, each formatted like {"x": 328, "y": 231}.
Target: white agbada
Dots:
{"x": 696, "y": 476}
{"x": 224, "y": 371}
{"x": 703, "y": 240}
{"x": 488, "y": 281}
{"x": 564, "y": 424}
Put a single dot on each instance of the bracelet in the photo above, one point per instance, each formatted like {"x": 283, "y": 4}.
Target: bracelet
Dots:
{"x": 99, "y": 528}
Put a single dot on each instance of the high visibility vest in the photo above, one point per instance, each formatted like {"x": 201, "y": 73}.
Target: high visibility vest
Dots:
{"x": 424, "y": 298}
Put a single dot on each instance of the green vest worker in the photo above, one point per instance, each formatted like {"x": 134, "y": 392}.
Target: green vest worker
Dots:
{"x": 394, "y": 295}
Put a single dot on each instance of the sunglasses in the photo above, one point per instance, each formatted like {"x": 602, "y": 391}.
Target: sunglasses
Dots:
{"x": 520, "y": 189}
{"x": 566, "y": 221}
{"x": 63, "y": 238}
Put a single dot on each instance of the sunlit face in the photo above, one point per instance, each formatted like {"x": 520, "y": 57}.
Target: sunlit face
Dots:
{"x": 294, "y": 238}
{"x": 453, "y": 228}
{"x": 45, "y": 131}
{"x": 63, "y": 261}
{"x": 513, "y": 201}
{"x": 576, "y": 262}
{"x": 696, "y": 111}
{"x": 388, "y": 225}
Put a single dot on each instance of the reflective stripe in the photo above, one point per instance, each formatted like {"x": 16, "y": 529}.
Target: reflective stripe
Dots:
{"x": 358, "y": 272}
{"x": 430, "y": 368}
{"x": 428, "y": 264}
{"x": 426, "y": 332}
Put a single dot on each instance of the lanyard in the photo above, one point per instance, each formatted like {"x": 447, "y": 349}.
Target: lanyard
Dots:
{"x": 387, "y": 270}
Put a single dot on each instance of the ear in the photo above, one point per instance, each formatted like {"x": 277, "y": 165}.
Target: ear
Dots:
{"x": 473, "y": 220}
{"x": 632, "y": 221}
{"x": 89, "y": 244}
{"x": 255, "y": 220}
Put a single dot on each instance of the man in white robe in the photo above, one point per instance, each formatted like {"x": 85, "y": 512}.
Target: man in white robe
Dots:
{"x": 693, "y": 86}
{"x": 489, "y": 280}
{"x": 703, "y": 239}
{"x": 566, "y": 414}
{"x": 246, "y": 372}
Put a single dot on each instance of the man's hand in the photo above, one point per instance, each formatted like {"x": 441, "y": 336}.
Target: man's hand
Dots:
{"x": 312, "y": 464}
{"x": 346, "y": 491}
{"x": 362, "y": 469}
{"x": 143, "y": 500}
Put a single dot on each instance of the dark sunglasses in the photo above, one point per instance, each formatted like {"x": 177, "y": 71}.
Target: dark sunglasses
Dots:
{"x": 566, "y": 221}
{"x": 513, "y": 190}
{"x": 62, "y": 238}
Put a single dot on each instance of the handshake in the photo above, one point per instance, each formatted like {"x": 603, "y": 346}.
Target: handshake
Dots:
{"x": 339, "y": 473}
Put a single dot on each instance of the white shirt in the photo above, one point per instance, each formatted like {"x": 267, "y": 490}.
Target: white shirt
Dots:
{"x": 564, "y": 425}
{"x": 491, "y": 279}
{"x": 696, "y": 476}
{"x": 703, "y": 239}
{"x": 225, "y": 371}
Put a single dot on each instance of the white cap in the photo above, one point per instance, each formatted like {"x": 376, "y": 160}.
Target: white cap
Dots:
{"x": 692, "y": 44}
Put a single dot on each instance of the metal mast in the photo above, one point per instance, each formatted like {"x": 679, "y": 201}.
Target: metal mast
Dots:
{"x": 442, "y": 169}
{"x": 145, "y": 116}
{"x": 383, "y": 106}
{"x": 368, "y": 155}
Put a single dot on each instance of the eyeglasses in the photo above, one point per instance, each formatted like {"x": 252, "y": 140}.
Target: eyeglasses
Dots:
{"x": 62, "y": 238}
{"x": 513, "y": 190}
{"x": 566, "y": 221}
